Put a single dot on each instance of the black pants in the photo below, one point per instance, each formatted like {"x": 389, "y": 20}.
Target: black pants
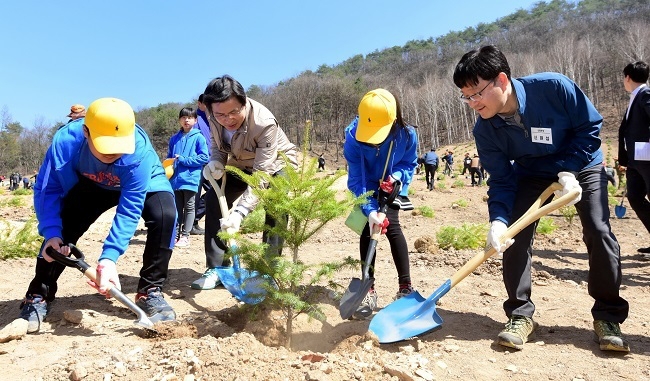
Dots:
{"x": 398, "y": 247}
{"x": 214, "y": 247}
{"x": 604, "y": 277}
{"x": 430, "y": 174}
{"x": 83, "y": 205}
{"x": 638, "y": 188}
{"x": 199, "y": 200}
{"x": 475, "y": 171}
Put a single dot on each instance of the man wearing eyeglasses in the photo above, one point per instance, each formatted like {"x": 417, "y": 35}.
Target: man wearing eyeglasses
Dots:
{"x": 532, "y": 131}
{"x": 246, "y": 135}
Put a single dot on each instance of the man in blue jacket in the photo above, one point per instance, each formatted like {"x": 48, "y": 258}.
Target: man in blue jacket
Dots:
{"x": 430, "y": 160}
{"x": 94, "y": 164}
{"x": 532, "y": 131}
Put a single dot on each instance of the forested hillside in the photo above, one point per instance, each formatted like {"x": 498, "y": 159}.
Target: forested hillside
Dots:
{"x": 590, "y": 41}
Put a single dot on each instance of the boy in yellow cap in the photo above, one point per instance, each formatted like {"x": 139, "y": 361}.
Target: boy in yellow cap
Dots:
{"x": 96, "y": 163}
{"x": 380, "y": 149}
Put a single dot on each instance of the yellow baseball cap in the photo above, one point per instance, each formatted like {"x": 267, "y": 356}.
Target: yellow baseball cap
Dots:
{"x": 111, "y": 123}
{"x": 377, "y": 113}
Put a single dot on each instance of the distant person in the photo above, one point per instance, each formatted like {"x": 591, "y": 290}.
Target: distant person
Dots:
{"x": 620, "y": 172}
{"x": 475, "y": 170}
{"x": 246, "y": 135}
{"x": 467, "y": 161}
{"x": 25, "y": 182}
{"x": 379, "y": 144}
{"x": 611, "y": 174}
{"x": 321, "y": 162}
{"x": 448, "y": 159}
{"x": 77, "y": 111}
{"x": 430, "y": 161}
{"x": 93, "y": 165}
{"x": 564, "y": 149}
{"x": 634, "y": 142}
{"x": 190, "y": 151}
{"x": 205, "y": 187}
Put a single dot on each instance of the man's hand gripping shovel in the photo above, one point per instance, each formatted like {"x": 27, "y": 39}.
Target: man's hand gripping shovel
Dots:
{"x": 358, "y": 288}
{"x": 77, "y": 261}
{"x": 245, "y": 285}
{"x": 413, "y": 315}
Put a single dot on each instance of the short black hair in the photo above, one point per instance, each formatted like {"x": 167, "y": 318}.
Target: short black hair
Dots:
{"x": 638, "y": 71}
{"x": 486, "y": 63}
{"x": 201, "y": 98}
{"x": 221, "y": 89}
{"x": 187, "y": 111}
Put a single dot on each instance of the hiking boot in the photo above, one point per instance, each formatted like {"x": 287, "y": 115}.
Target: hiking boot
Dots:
{"x": 368, "y": 305}
{"x": 153, "y": 303}
{"x": 196, "y": 230}
{"x": 519, "y": 330}
{"x": 184, "y": 241}
{"x": 609, "y": 336}
{"x": 207, "y": 281}
{"x": 403, "y": 292}
{"x": 34, "y": 309}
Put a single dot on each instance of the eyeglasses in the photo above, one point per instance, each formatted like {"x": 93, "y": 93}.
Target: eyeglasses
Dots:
{"x": 232, "y": 114}
{"x": 476, "y": 96}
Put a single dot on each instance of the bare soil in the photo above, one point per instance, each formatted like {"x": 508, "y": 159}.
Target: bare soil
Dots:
{"x": 215, "y": 338}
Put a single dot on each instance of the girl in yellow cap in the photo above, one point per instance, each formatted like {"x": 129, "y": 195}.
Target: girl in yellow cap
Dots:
{"x": 380, "y": 149}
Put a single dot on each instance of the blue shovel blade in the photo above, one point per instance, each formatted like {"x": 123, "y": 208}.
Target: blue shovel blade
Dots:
{"x": 409, "y": 316}
{"x": 245, "y": 285}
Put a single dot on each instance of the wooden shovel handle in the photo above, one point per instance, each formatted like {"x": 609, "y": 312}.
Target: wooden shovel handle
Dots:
{"x": 535, "y": 212}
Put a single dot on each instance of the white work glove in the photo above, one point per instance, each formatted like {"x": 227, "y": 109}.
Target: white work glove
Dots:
{"x": 374, "y": 220}
{"x": 232, "y": 223}
{"x": 497, "y": 229}
{"x": 569, "y": 183}
{"x": 107, "y": 277}
{"x": 216, "y": 169}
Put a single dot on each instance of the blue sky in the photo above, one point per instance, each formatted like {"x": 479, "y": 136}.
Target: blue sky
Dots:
{"x": 57, "y": 53}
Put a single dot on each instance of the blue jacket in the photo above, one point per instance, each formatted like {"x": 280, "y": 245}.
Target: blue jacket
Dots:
{"x": 567, "y": 126}
{"x": 191, "y": 152}
{"x": 132, "y": 175}
{"x": 430, "y": 158}
{"x": 366, "y": 163}
{"x": 203, "y": 126}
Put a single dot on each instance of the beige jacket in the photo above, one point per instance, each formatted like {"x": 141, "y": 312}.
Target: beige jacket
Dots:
{"x": 254, "y": 146}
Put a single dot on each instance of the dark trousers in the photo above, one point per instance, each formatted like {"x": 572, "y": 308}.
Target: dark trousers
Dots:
{"x": 214, "y": 246}
{"x": 604, "y": 277}
{"x": 638, "y": 188}
{"x": 83, "y": 204}
{"x": 398, "y": 247}
{"x": 475, "y": 171}
{"x": 430, "y": 174}
{"x": 199, "y": 199}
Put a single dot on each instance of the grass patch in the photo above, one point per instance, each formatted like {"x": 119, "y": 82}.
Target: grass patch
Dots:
{"x": 546, "y": 226}
{"x": 426, "y": 211}
{"x": 462, "y": 203}
{"x": 468, "y": 236}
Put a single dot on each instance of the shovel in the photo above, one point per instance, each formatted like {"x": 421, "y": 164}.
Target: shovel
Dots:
{"x": 358, "y": 288}
{"x": 245, "y": 285}
{"x": 80, "y": 264}
{"x": 413, "y": 315}
{"x": 620, "y": 210}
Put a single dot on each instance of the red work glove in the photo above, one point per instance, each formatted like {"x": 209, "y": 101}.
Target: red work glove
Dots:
{"x": 373, "y": 219}
{"x": 388, "y": 184}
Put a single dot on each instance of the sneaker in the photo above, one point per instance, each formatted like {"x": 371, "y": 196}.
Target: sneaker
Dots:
{"x": 34, "y": 309}
{"x": 207, "y": 281}
{"x": 368, "y": 305}
{"x": 609, "y": 336}
{"x": 184, "y": 241}
{"x": 196, "y": 230}
{"x": 519, "y": 330}
{"x": 403, "y": 292}
{"x": 153, "y": 303}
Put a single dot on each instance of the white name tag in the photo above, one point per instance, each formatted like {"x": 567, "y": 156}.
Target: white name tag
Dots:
{"x": 541, "y": 135}
{"x": 642, "y": 151}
